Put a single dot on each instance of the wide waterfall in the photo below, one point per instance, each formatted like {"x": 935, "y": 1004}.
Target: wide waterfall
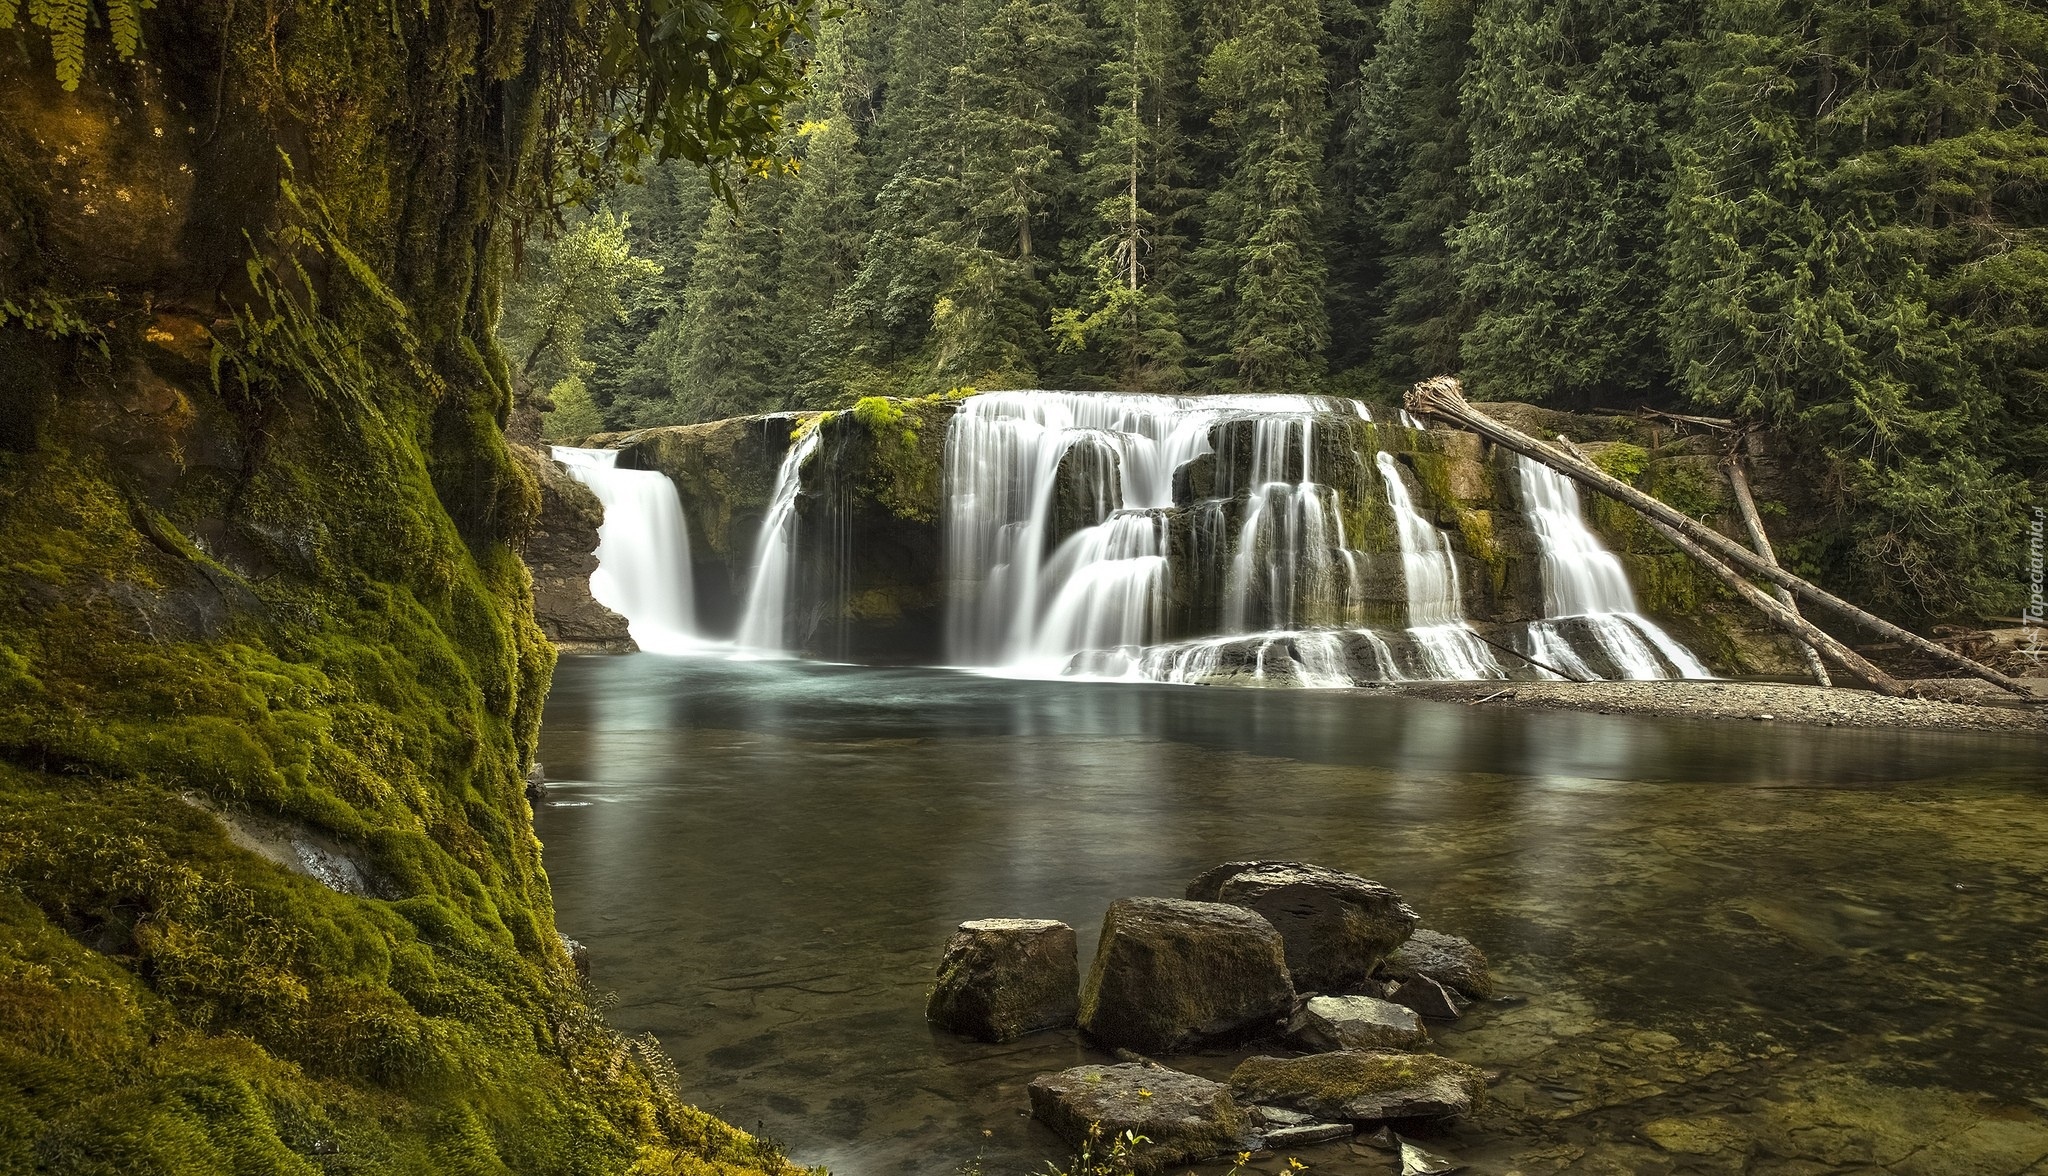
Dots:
{"x": 643, "y": 550}
{"x": 764, "y": 625}
{"x": 1585, "y": 588}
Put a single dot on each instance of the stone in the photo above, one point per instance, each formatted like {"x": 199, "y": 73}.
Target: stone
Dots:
{"x": 1362, "y": 1086}
{"x": 1001, "y": 979}
{"x": 1307, "y": 1133}
{"x": 1427, "y": 997}
{"x": 561, "y": 552}
{"x": 1184, "y": 1119}
{"x": 1338, "y": 927}
{"x": 1447, "y": 959}
{"x": 579, "y": 955}
{"x": 536, "y": 783}
{"x": 1171, "y": 976}
{"x": 1325, "y": 1023}
{"x": 1420, "y": 1161}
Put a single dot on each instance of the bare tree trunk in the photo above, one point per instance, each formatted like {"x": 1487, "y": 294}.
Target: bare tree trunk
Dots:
{"x": 1441, "y": 396}
{"x": 1745, "y": 503}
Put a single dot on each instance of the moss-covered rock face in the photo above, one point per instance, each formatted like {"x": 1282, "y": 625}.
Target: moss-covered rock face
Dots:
{"x": 256, "y": 526}
{"x": 867, "y": 583}
{"x": 560, "y": 552}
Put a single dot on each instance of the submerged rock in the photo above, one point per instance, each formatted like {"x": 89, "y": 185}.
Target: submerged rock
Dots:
{"x": 1447, "y": 959}
{"x": 1182, "y": 1118}
{"x": 1420, "y": 1161}
{"x": 1325, "y": 1023}
{"x": 1362, "y": 1086}
{"x": 1338, "y": 927}
{"x": 1427, "y": 997}
{"x": 1001, "y": 979}
{"x": 1170, "y": 976}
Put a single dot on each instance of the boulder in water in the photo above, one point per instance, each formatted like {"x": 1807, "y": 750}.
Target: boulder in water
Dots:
{"x": 1362, "y": 1086}
{"x": 1447, "y": 959}
{"x": 1001, "y": 979}
{"x": 1427, "y": 997}
{"x": 1171, "y": 976}
{"x": 1184, "y": 1119}
{"x": 1325, "y": 1023}
{"x": 1338, "y": 927}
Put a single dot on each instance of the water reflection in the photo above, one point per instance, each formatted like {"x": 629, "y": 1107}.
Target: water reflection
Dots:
{"x": 771, "y": 854}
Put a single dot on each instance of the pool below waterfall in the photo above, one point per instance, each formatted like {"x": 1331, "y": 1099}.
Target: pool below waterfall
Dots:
{"x": 1724, "y": 948}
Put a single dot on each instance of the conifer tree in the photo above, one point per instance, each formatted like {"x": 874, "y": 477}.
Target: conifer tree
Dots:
{"x": 1261, "y": 267}
{"x": 827, "y": 223}
{"x": 1566, "y": 102}
{"x": 1860, "y": 255}
{"x": 731, "y": 360}
{"x": 1407, "y": 149}
{"x": 1135, "y": 171}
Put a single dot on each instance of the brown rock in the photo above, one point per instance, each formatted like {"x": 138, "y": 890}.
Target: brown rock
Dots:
{"x": 1337, "y": 926}
{"x": 1183, "y": 1118}
{"x": 1171, "y": 976}
{"x": 1004, "y": 978}
{"x": 1450, "y": 961}
{"x": 1362, "y": 1085}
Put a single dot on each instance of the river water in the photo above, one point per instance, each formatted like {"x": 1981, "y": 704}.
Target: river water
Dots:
{"x": 1724, "y": 947}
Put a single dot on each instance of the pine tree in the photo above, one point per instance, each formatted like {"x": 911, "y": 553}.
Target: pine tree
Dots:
{"x": 1567, "y": 105}
{"x": 1261, "y": 266}
{"x": 631, "y": 355}
{"x": 1860, "y": 255}
{"x": 732, "y": 357}
{"x": 1407, "y": 150}
{"x": 1136, "y": 172}
{"x": 827, "y": 222}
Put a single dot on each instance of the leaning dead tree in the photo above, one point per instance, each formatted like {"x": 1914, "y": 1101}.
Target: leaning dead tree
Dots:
{"x": 1760, "y": 542}
{"x": 1444, "y": 398}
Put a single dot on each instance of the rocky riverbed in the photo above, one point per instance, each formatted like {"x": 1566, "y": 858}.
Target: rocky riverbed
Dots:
{"x": 1778, "y": 702}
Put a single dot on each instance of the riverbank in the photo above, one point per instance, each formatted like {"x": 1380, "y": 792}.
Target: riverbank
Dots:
{"x": 1780, "y": 702}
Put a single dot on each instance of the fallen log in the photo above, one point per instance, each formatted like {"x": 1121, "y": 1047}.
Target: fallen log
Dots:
{"x": 1760, "y": 540}
{"x": 1442, "y": 397}
{"x": 1787, "y": 618}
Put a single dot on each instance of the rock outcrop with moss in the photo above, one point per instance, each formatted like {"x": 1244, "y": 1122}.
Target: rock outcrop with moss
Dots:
{"x": 560, "y": 552}
{"x": 258, "y": 588}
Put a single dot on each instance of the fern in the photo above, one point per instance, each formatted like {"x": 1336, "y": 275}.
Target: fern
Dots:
{"x": 66, "y": 20}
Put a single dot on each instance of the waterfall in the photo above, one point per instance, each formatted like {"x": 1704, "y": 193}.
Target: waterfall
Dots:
{"x": 1586, "y": 590}
{"x": 764, "y": 624}
{"x": 1436, "y": 615}
{"x": 643, "y": 549}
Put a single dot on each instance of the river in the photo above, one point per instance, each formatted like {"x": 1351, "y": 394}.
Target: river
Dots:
{"x": 1724, "y": 947}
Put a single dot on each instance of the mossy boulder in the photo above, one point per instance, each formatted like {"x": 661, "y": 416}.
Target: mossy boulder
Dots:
{"x": 1362, "y": 1086}
{"x": 1002, "y": 979}
{"x": 1171, "y": 976}
{"x": 1183, "y": 1119}
{"x": 1337, "y": 926}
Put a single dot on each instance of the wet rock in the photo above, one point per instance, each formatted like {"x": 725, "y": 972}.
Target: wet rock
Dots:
{"x": 1170, "y": 976}
{"x": 536, "y": 783}
{"x": 1001, "y": 979}
{"x": 1427, "y": 997}
{"x": 579, "y": 955}
{"x": 1420, "y": 1161}
{"x": 1338, "y": 927}
{"x": 1362, "y": 1086}
{"x": 1325, "y": 1023}
{"x": 1308, "y": 1133}
{"x": 561, "y": 552}
{"x": 1183, "y": 1118}
{"x": 1447, "y": 959}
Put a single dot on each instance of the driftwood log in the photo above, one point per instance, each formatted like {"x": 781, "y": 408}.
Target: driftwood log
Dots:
{"x": 1442, "y": 397}
{"x": 1760, "y": 541}
{"x": 1809, "y": 635}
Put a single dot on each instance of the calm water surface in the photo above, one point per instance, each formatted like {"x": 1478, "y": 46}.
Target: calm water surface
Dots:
{"x": 1725, "y": 947}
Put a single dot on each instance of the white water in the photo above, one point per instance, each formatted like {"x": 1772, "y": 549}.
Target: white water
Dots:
{"x": 1584, "y": 583}
{"x": 764, "y": 624}
{"x": 1436, "y": 613}
{"x": 643, "y": 550}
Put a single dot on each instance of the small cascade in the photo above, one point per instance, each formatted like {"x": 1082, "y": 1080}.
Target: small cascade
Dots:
{"x": 764, "y": 624}
{"x": 643, "y": 550}
{"x": 1436, "y": 614}
{"x": 1587, "y": 601}
{"x": 1287, "y": 570}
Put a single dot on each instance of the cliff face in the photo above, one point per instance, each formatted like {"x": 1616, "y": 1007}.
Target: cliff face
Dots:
{"x": 560, "y": 552}
{"x": 871, "y": 585}
{"x": 269, "y": 677}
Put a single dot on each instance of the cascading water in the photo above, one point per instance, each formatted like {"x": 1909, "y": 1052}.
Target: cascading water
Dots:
{"x": 643, "y": 550}
{"x": 1436, "y": 614}
{"x": 1585, "y": 590}
{"x": 764, "y": 624}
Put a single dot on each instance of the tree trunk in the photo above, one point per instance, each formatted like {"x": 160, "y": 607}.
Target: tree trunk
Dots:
{"x": 1441, "y": 396}
{"x": 1745, "y": 503}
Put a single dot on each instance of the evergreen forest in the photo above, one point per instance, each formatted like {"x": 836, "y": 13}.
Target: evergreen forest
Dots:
{"x": 1827, "y": 219}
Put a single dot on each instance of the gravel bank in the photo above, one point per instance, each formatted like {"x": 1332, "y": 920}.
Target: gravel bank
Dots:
{"x": 1753, "y": 701}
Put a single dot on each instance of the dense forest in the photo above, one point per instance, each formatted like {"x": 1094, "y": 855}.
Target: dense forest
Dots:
{"x": 1832, "y": 219}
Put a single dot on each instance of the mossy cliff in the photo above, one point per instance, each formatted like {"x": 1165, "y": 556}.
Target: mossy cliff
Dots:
{"x": 256, "y": 568}
{"x": 867, "y": 583}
